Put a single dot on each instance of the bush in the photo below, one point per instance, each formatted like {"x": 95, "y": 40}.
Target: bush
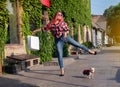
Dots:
{"x": 108, "y": 45}
{"x": 88, "y": 44}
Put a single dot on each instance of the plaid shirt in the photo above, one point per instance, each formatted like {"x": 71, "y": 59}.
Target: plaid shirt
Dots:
{"x": 57, "y": 30}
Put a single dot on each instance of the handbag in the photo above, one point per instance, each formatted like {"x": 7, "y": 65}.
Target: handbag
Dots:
{"x": 33, "y": 43}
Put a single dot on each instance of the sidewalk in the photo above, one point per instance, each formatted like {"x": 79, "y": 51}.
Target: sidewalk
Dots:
{"x": 107, "y": 74}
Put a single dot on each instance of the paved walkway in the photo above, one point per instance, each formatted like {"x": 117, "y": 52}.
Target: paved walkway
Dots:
{"x": 106, "y": 63}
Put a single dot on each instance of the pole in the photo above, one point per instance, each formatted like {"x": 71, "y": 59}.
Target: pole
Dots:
{"x": 79, "y": 34}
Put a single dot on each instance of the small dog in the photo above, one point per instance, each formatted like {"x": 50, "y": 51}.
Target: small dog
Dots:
{"x": 89, "y": 72}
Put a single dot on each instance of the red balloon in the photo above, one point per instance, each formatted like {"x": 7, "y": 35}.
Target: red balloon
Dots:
{"x": 45, "y": 2}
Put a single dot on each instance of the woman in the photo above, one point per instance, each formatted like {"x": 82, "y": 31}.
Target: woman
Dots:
{"x": 60, "y": 30}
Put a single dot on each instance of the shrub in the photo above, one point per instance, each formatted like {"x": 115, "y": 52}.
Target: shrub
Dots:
{"x": 88, "y": 44}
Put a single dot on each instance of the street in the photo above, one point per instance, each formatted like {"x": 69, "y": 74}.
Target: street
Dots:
{"x": 107, "y": 72}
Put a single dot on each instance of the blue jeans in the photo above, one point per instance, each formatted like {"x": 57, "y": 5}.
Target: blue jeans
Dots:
{"x": 59, "y": 42}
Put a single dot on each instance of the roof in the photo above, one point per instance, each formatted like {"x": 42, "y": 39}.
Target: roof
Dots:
{"x": 99, "y": 21}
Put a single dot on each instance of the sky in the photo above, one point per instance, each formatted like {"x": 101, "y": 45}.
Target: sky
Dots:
{"x": 98, "y": 6}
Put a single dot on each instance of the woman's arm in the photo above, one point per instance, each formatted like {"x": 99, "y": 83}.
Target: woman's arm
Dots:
{"x": 47, "y": 27}
{"x": 35, "y": 31}
{"x": 66, "y": 29}
{"x": 65, "y": 26}
{"x": 65, "y": 34}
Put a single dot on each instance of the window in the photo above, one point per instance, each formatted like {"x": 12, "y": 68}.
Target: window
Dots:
{"x": 12, "y": 36}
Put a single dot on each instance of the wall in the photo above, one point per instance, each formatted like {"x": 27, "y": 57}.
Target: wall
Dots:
{"x": 15, "y": 49}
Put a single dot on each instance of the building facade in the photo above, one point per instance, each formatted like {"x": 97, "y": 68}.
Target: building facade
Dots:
{"x": 99, "y": 30}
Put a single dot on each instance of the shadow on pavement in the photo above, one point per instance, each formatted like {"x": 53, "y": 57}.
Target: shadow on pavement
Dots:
{"x": 48, "y": 72}
{"x": 55, "y": 81}
{"x": 118, "y": 76}
{"x": 79, "y": 76}
{"x": 6, "y": 82}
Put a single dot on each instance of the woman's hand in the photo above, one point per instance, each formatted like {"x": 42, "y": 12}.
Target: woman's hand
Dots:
{"x": 65, "y": 34}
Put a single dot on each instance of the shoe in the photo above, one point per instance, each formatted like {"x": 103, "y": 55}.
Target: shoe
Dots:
{"x": 62, "y": 72}
{"x": 93, "y": 53}
{"x": 61, "y": 75}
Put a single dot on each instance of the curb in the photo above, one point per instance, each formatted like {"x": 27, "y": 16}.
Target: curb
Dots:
{"x": 54, "y": 62}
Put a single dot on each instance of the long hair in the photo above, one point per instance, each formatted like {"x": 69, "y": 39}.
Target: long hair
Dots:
{"x": 55, "y": 19}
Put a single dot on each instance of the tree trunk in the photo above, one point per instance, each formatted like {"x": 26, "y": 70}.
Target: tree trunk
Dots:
{"x": 19, "y": 18}
{"x": 89, "y": 34}
{"x": 45, "y": 15}
{"x": 79, "y": 34}
{"x": 0, "y": 67}
{"x": 72, "y": 31}
{"x": 85, "y": 30}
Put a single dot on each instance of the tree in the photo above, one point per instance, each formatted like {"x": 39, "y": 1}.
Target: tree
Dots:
{"x": 113, "y": 19}
{"x": 3, "y": 30}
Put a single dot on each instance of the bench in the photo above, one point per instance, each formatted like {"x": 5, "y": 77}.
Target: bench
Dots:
{"x": 24, "y": 60}
{"x": 75, "y": 51}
